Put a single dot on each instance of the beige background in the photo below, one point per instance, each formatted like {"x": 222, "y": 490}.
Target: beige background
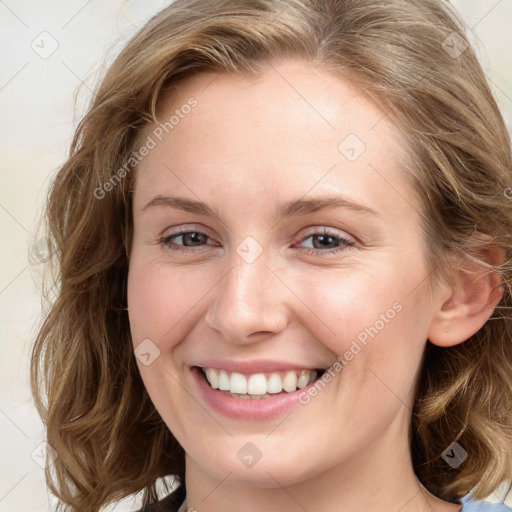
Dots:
{"x": 37, "y": 122}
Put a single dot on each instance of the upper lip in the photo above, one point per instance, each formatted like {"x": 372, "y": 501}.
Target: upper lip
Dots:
{"x": 253, "y": 366}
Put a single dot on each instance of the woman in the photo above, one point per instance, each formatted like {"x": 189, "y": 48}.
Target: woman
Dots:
{"x": 283, "y": 253}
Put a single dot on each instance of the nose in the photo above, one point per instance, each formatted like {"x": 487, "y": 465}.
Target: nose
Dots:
{"x": 250, "y": 302}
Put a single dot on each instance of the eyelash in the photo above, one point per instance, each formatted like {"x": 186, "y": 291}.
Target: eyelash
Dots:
{"x": 344, "y": 242}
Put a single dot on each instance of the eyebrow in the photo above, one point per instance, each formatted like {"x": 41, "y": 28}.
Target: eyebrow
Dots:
{"x": 296, "y": 207}
{"x": 182, "y": 203}
{"x": 305, "y": 206}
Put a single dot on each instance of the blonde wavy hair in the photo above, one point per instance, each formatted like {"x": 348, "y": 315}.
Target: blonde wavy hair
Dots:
{"x": 110, "y": 440}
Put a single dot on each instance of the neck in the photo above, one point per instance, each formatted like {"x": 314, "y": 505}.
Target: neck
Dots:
{"x": 379, "y": 478}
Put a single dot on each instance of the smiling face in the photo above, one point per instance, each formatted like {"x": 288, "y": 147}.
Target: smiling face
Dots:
{"x": 274, "y": 235}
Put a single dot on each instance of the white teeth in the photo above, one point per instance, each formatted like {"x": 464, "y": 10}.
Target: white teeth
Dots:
{"x": 302, "y": 382}
{"x": 274, "y": 383}
{"x": 223, "y": 380}
{"x": 213, "y": 378}
{"x": 290, "y": 382}
{"x": 258, "y": 385}
{"x": 238, "y": 383}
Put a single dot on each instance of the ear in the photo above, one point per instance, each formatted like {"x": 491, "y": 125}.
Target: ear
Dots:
{"x": 464, "y": 305}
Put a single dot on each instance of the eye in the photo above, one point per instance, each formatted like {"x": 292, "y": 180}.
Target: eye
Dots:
{"x": 325, "y": 242}
{"x": 321, "y": 242}
{"x": 183, "y": 239}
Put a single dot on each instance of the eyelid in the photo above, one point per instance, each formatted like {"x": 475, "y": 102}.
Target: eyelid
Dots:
{"x": 184, "y": 228}
{"x": 338, "y": 233}
{"x": 316, "y": 229}
{"x": 345, "y": 240}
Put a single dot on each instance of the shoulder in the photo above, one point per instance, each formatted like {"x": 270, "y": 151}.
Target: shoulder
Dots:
{"x": 170, "y": 503}
{"x": 483, "y": 506}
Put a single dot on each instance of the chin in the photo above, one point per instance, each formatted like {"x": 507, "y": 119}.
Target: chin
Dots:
{"x": 269, "y": 469}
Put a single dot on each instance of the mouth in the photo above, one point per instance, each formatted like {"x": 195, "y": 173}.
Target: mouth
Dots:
{"x": 257, "y": 386}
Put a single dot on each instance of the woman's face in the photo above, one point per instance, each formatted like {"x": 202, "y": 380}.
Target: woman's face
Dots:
{"x": 302, "y": 251}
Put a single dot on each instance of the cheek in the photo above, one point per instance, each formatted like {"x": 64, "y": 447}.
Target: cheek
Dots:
{"x": 350, "y": 304}
{"x": 373, "y": 320}
{"x": 159, "y": 298}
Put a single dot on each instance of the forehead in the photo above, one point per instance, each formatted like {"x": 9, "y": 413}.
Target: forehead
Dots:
{"x": 294, "y": 128}
{"x": 294, "y": 99}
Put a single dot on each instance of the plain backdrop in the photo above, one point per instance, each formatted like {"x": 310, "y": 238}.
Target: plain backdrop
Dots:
{"x": 49, "y": 51}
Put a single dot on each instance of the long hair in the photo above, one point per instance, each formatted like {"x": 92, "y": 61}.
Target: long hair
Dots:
{"x": 412, "y": 58}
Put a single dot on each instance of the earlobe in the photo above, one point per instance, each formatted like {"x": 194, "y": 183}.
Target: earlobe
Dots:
{"x": 472, "y": 298}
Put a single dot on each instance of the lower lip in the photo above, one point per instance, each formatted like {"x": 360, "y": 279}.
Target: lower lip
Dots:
{"x": 247, "y": 409}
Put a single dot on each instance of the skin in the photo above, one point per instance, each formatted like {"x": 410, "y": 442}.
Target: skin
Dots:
{"x": 250, "y": 145}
